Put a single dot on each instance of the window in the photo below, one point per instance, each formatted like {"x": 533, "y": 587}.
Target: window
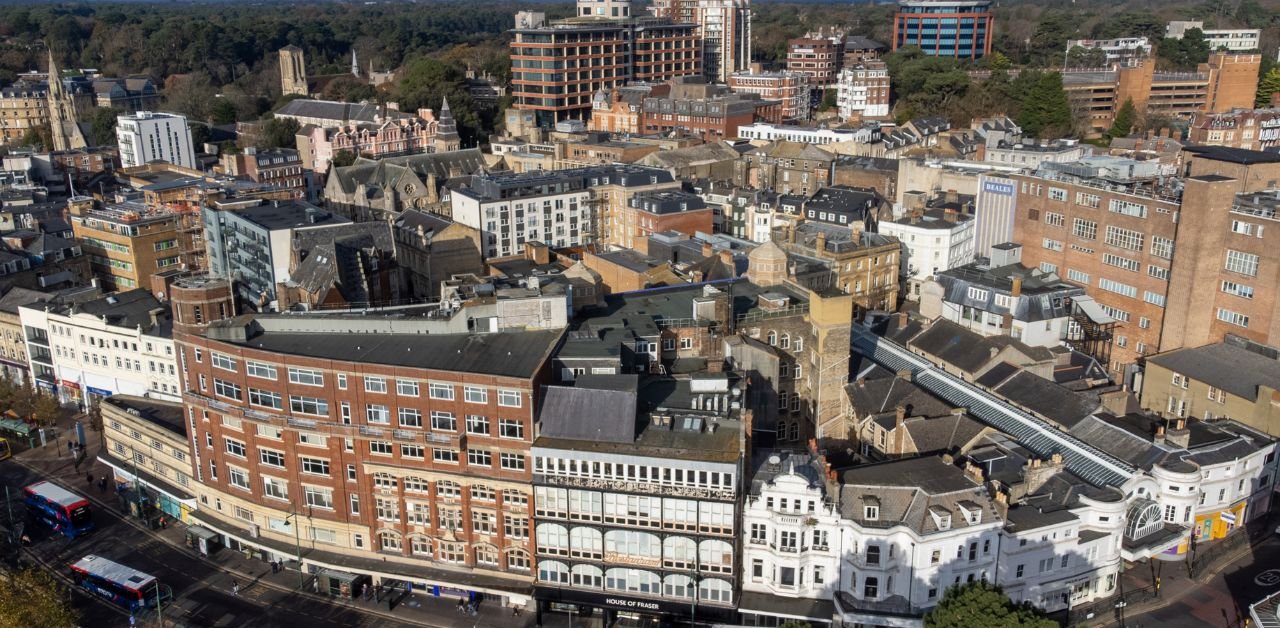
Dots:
{"x": 275, "y": 488}
{"x": 308, "y": 405}
{"x": 1153, "y": 298}
{"x": 235, "y": 448}
{"x": 342, "y": 381}
{"x": 265, "y": 399}
{"x": 238, "y": 477}
{"x": 512, "y": 462}
{"x": 483, "y": 522}
{"x": 1237, "y": 289}
{"x": 226, "y": 389}
{"x": 1128, "y": 208}
{"x": 306, "y": 377}
{"x": 443, "y": 421}
{"x": 260, "y": 370}
{"x": 1121, "y": 262}
{"x": 509, "y": 398}
{"x": 312, "y": 440}
{"x": 1162, "y": 247}
{"x": 515, "y": 527}
{"x": 477, "y": 424}
{"x": 406, "y": 388}
{"x": 1244, "y": 228}
{"x": 871, "y": 513}
{"x": 1243, "y": 263}
{"x": 1048, "y": 267}
{"x": 1086, "y": 229}
{"x": 1057, "y": 194}
{"x": 1051, "y": 244}
{"x": 1124, "y": 238}
{"x": 441, "y": 391}
{"x": 410, "y": 417}
{"x": 1088, "y": 200}
{"x": 374, "y": 384}
{"x": 1158, "y": 272}
{"x": 380, "y": 447}
{"x": 224, "y": 362}
{"x": 315, "y": 466}
{"x": 445, "y": 488}
{"x": 387, "y": 509}
{"x": 510, "y": 428}
{"x": 873, "y": 554}
{"x": 1054, "y": 219}
{"x": 1077, "y": 276}
{"x": 1235, "y": 318}
{"x": 479, "y": 458}
{"x": 271, "y": 458}
{"x": 318, "y": 497}
{"x": 475, "y": 394}
{"x": 977, "y": 294}
{"x": 512, "y": 497}
{"x": 1117, "y": 287}
{"x": 377, "y": 414}
{"x": 447, "y": 456}
{"x": 871, "y": 588}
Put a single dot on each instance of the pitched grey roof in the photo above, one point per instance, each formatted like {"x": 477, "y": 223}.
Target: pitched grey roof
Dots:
{"x": 585, "y": 412}
{"x": 388, "y": 172}
{"x": 907, "y": 490}
{"x": 884, "y": 394}
{"x": 942, "y": 433}
{"x": 17, "y": 297}
{"x": 339, "y": 112}
{"x": 964, "y": 349}
{"x": 1224, "y": 365}
{"x": 1048, "y": 399}
{"x": 124, "y": 309}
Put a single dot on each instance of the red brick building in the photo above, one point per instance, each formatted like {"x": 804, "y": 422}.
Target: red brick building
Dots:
{"x": 816, "y": 58}
{"x": 401, "y": 448}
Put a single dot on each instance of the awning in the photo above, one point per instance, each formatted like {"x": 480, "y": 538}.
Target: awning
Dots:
{"x": 1092, "y": 310}
{"x": 203, "y": 533}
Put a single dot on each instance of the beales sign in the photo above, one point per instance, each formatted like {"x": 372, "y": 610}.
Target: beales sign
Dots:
{"x": 1005, "y": 189}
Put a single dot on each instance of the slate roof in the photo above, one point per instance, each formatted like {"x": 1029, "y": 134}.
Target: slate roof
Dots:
{"x": 942, "y": 433}
{"x": 693, "y": 155}
{"x": 1048, "y": 399}
{"x": 1131, "y": 438}
{"x": 390, "y": 171}
{"x": 968, "y": 350}
{"x": 1233, "y": 155}
{"x": 1228, "y": 366}
{"x": 907, "y": 490}
{"x": 504, "y": 354}
{"x": 885, "y": 394}
{"x": 594, "y": 409}
{"x": 337, "y": 111}
{"x": 123, "y": 309}
{"x": 858, "y": 42}
{"x": 17, "y": 297}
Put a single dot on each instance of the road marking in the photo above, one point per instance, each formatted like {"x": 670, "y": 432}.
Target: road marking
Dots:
{"x": 1270, "y": 577}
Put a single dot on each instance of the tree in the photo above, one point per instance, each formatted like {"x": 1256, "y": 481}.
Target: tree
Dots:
{"x": 1185, "y": 53}
{"x": 102, "y": 125}
{"x": 1268, "y": 85}
{"x": 95, "y": 415}
{"x": 46, "y": 408}
{"x": 342, "y": 159}
{"x": 1125, "y": 119}
{"x": 31, "y": 598}
{"x": 829, "y": 100}
{"x": 348, "y": 89}
{"x": 1081, "y": 57}
{"x": 983, "y": 604}
{"x": 280, "y": 133}
{"x": 1045, "y": 110}
{"x": 192, "y": 96}
{"x": 223, "y": 111}
{"x": 38, "y": 136}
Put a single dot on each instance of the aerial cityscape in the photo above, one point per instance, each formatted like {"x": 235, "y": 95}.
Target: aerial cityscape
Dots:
{"x": 691, "y": 313}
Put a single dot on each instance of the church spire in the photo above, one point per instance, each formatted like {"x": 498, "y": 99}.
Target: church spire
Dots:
{"x": 63, "y": 122}
{"x": 355, "y": 65}
{"x": 446, "y": 138}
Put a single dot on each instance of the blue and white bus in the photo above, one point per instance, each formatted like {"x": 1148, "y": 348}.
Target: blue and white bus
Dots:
{"x": 60, "y": 509}
{"x": 123, "y": 586}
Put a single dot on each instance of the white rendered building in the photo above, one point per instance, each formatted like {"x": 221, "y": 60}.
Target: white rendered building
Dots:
{"x": 933, "y": 240}
{"x": 145, "y": 136}
{"x": 863, "y": 90}
{"x": 120, "y": 343}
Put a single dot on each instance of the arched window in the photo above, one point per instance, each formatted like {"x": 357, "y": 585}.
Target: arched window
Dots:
{"x": 385, "y": 481}
{"x": 678, "y": 552}
{"x": 415, "y": 484}
{"x": 446, "y": 488}
{"x": 786, "y": 341}
{"x": 486, "y": 556}
{"x": 677, "y": 586}
{"x": 389, "y": 541}
{"x": 715, "y": 590}
{"x": 633, "y": 544}
{"x": 585, "y": 543}
{"x": 553, "y": 572}
{"x": 715, "y": 555}
{"x": 772, "y": 338}
{"x": 518, "y": 560}
{"x": 553, "y": 539}
{"x": 421, "y": 546}
{"x": 631, "y": 581}
{"x": 587, "y": 576}
{"x": 1142, "y": 519}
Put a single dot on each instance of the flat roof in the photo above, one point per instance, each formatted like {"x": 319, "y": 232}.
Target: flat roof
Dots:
{"x": 1234, "y": 155}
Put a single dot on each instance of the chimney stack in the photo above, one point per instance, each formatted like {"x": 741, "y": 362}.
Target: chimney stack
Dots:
{"x": 899, "y": 431}
{"x": 1016, "y": 290}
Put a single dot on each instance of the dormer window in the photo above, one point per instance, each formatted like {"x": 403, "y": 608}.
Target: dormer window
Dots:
{"x": 941, "y": 517}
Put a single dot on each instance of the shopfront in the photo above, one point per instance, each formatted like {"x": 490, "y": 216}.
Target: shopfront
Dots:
{"x": 71, "y": 393}
{"x": 613, "y": 609}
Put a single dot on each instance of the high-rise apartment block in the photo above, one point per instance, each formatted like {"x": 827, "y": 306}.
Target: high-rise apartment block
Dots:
{"x": 790, "y": 88}
{"x": 145, "y": 137}
{"x": 863, "y": 90}
{"x": 959, "y": 29}
{"x": 817, "y": 58}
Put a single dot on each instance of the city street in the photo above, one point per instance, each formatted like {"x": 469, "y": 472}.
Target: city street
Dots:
{"x": 202, "y": 592}
{"x": 1222, "y": 601}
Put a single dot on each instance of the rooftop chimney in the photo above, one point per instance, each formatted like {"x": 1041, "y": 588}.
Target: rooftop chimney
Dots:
{"x": 1016, "y": 291}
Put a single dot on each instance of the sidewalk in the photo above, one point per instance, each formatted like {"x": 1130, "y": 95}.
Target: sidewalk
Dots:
{"x": 254, "y": 576}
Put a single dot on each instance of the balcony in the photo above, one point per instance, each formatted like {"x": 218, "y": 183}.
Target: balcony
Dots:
{"x": 623, "y": 486}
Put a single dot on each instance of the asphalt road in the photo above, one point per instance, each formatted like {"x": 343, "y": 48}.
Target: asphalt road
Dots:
{"x": 202, "y": 593}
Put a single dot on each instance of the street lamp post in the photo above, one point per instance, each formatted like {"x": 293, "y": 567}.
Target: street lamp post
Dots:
{"x": 297, "y": 544}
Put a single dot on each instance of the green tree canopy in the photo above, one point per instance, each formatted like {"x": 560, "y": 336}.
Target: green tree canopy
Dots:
{"x": 102, "y": 124}
{"x": 1267, "y": 85}
{"x": 280, "y": 133}
{"x": 1081, "y": 57}
{"x": 1125, "y": 120}
{"x": 1045, "y": 110}
{"x": 982, "y": 604}
{"x": 31, "y": 598}
{"x": 342, "y": 159}
{"x": 1186, "y": 53}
